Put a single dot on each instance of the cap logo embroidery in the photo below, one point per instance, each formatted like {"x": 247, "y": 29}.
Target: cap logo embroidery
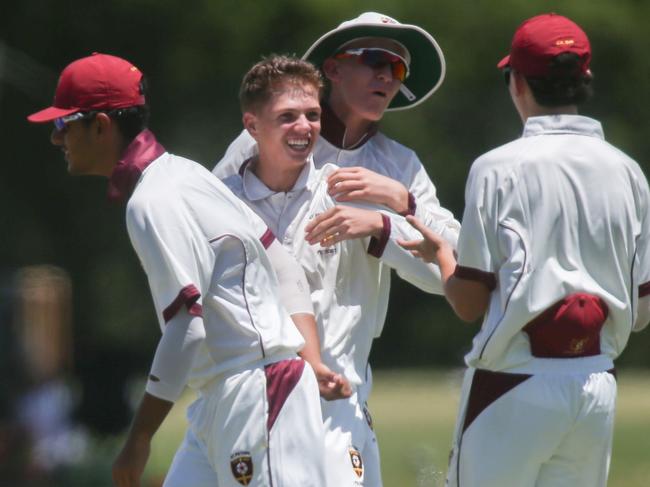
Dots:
{"x": 565, "y": 42}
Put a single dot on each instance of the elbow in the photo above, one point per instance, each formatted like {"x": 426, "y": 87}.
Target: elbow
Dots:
{"x": 468, "y": 314}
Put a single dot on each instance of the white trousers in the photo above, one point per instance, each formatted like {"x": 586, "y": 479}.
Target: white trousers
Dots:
{"x": 260, "y": 427}
{"x": 352, "y": 452}
{"x": 543, "y": 430}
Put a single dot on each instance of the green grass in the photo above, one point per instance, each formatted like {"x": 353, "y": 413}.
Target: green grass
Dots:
{"x": 414, "y": 414}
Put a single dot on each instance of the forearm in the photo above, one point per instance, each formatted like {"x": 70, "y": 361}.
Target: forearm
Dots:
{"x": 469, "y": 299}
{"x": 306, "y": 324}
{"x": 150, "y": 414}
{"x": 295, "y": 294}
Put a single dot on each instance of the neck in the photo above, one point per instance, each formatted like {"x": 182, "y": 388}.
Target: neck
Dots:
{"x": 355, "y": 126}
{"x": 278, "y": 179}
{"x": 538, "y": 111}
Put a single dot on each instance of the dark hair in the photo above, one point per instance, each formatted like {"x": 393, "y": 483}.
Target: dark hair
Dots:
{"x": 130, "y": 120}
{"x": 259, "y": 82}
{"x": 566, "y": 83}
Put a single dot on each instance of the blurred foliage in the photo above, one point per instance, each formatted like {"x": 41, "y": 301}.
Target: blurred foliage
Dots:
{"x": 194, "y": 54}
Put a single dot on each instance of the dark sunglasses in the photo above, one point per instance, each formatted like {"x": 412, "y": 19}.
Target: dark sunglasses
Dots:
{"x": 375, "y": 57}
{"x": 62, "y": 122}
{"x": 506, "y": 74}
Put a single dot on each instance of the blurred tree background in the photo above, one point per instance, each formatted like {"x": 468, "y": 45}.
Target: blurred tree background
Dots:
{"x": 194, "y": 54}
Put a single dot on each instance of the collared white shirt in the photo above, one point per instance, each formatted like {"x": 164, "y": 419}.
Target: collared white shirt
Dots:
{"x": 349, "y": 286}
{"x": 555, "y": 212}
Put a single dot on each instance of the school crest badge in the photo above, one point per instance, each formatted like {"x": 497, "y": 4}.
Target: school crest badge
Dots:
{"x": 241, "y": 465}
{"x": 357, "y": 463}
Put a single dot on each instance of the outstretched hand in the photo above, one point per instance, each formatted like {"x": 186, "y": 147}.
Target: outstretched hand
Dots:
{"x": 429, "y": 248}
{"x": 331, "y": 385}
{"x": 361, "y": 184}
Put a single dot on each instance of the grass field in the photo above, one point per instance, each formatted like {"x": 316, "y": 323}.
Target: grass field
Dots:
{"x": 414, "y": 414}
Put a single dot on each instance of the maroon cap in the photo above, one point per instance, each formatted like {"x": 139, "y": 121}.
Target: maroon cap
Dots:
{"x": 539, "y": 39}
{"x": 97, "y": 82}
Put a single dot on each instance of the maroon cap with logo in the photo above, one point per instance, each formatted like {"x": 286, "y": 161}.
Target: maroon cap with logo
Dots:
{"x": 97, "y": 82}
{"x": 539, "y": 39}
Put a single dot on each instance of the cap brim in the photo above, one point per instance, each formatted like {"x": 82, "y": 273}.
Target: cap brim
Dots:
{"x": 504, "y": 62}
{"x": 51, "y": 113}
{"x": 427, "y": 68}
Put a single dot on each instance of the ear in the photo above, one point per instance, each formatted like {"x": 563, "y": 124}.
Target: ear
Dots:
{"x": 102, "y": 123}
{"x": 249, "y": 119}
{"x": 331, "y": 69}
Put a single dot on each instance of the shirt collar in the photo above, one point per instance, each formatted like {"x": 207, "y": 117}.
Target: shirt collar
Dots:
{"x": 333, "y": 129}
{"x": 141, "y": 152}
{"x": 563, "y": 124}
{"x": 255, "y": 189}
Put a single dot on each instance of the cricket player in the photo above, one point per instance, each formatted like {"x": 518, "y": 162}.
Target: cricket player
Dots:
{"x": 554, "y": 255}
{"x": 372, "y": 64}
{"x": 208, "y": 259}
{"x": 343, "y": 262}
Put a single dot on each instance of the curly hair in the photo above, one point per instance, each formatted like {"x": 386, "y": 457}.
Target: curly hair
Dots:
{"x": 262, "y": 79}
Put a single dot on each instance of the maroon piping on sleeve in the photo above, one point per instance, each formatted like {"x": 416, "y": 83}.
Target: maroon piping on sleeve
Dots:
{"x": 267, "y": 239}
{"x": 471, "y": 274}
{"x": 644, "y": 289}
{"x": 377, "y": 246}
{"x": 412, "y": 206}
{"x": 187, "y": 296}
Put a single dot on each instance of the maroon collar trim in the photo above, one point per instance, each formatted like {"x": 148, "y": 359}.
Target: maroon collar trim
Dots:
{"x": 333, "y": 129}
{"x": 141, "y": 152}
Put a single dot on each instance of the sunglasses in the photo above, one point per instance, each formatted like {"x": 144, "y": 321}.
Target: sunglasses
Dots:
{"x": 506, "y": 74}
{"x": 375, "y": 57}
{"x": 62, "y": 122}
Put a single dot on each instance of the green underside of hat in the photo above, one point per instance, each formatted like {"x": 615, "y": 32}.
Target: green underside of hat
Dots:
{"x": 426, "y": 63}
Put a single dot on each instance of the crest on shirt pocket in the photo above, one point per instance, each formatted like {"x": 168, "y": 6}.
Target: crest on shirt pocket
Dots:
{"x": 241, "y": 465}
{"x": 357, "y": 463}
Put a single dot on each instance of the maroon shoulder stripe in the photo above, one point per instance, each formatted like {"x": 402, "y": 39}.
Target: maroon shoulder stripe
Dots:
{"x": 377, "y": 245}
{"x": 187, "y": 296}
{"x": 644, "y": 289}
{"x": 471, "y": 274}
{"x": 267, "y": 239}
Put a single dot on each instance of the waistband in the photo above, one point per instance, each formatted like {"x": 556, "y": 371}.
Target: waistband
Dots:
{"x": 585, "y": 365}
{"x": 254, "y": 364}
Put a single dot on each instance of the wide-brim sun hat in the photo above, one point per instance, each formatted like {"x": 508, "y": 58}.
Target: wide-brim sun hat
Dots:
{"x": 427, "y": 67}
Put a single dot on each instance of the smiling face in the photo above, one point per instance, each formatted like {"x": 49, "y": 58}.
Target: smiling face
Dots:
{"x": 360, "y": 91}
{"x": 286, "y": 126}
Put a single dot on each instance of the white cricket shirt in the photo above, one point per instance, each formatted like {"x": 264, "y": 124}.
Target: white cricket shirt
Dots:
{"x": 203, "y": 249}
{"x": 349, "y": 295}
{"x": 555, "y": 212}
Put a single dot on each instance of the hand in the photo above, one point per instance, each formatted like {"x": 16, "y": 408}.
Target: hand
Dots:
{"x": 343, "y": 223}
{"x": 361, "y": 184}
{"x": 431, "y": 248}
{"x": 330, "y": 385}
{"x": 129, "y": 464}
